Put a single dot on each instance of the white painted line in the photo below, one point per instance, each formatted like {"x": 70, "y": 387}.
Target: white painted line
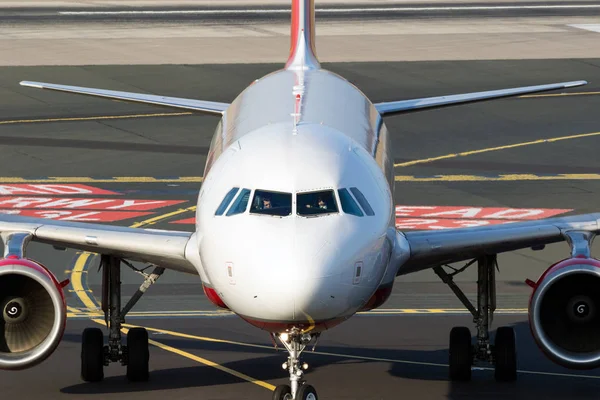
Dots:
{"x": 337, "y": 10}
{"x": 587, "y": 27}
{"x": 476, "y": 368}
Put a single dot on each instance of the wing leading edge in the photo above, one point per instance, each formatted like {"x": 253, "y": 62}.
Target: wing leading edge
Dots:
{"x": 406, "y": 106}
{"x": 168, "y": 249}
{"x": 429, "y": 249}
{"x": 207, "y": 107}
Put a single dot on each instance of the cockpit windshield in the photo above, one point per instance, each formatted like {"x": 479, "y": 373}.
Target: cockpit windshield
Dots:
{"x": 271, "y": 203}
{"x": 316, "y": 203}
{"x": 240, "y": 204}
{"x": 348, "y": 204}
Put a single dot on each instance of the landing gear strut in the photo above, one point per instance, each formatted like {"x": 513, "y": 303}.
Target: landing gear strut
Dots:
{"x": 463, "y": 354}
{"x": 95, "y": 355}
{"x": 295, "y": 342}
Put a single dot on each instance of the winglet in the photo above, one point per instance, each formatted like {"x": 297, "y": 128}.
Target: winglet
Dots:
{"x": 303, "y": 54}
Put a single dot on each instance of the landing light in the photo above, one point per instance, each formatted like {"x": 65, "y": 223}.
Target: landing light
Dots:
{"x": 284, "y": 337}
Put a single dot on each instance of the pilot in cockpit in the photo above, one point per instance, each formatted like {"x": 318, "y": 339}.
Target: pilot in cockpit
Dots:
{"x": 266, "y": 203}
{"x": 321, "y": 203}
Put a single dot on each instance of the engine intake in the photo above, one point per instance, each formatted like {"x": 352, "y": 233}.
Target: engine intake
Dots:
{"x": 564, "y": 313}
{"x": 32, "y": 313}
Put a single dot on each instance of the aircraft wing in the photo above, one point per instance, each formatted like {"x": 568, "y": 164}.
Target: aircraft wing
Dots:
{"x": 429, "y": 249}
{"x": 207, "y": 107}
{"x": 167, "y": 249}
{"x": 406, "y": 106}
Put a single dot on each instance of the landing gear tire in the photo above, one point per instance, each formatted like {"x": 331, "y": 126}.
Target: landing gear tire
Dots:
{"x": 306, "y": 392}
{"x": 92, "y": 355}
{"x": 283, "y": 392}
{"x": 461, "y": 354}
{"x": 506, "y": 355}
{"x": 138, "y": 355}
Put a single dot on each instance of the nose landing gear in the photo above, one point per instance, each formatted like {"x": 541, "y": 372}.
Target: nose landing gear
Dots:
{"x": 295, "y": 342}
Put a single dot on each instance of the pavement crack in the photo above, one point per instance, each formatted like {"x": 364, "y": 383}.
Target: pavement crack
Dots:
{"x": 28, "y": 155}
{"x": 588, "y": 63}
{"x": 128, "y": 131}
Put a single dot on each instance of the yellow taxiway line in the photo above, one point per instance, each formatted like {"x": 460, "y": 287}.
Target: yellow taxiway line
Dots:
{"x": 116, "y": 179}
{"x": 93, "y": 118}
{"x": 499, "y": 178}
{"x": 489, "y": 149}
{"x": 154, "y": 220}
{"x": 533, "y": 96}
{"x": 77, "y": 282}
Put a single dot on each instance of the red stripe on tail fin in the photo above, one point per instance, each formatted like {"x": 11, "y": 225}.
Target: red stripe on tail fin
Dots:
{"x": 303, "y": 53}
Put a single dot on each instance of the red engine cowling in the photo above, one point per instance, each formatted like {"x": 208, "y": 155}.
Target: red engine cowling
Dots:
{"x": 564, "y": 313}
{"x": 33, "y": 311}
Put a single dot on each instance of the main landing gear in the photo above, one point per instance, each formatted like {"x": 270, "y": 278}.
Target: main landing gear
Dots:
{"x": 463, "y": 354}
{"x": 295, "y": 342}
{"x": 95, "y": 355}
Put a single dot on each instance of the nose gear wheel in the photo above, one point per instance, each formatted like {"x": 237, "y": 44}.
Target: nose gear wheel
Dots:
{"x": 295, "y": 342}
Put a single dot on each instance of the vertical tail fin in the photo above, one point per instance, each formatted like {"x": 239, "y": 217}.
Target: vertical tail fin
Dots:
{"x": 303, "y": 54}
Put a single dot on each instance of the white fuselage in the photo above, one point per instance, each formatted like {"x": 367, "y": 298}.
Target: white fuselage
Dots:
{"x": 297, "y": 131}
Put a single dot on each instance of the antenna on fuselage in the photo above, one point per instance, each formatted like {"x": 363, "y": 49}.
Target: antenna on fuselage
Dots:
{"x": 303, "y": 54}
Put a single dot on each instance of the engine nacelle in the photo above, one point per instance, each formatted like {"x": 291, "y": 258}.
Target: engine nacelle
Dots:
{"x": 33, "y": 313}
{"x": 564, "y": 313}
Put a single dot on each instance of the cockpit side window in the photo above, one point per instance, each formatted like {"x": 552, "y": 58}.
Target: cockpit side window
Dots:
{"x": 349, "y": 206}
{"x": 316, "y": 203}
{"x": 240, "y": 204}
{"x": 226, "y": 200}
{"x": 271, "y": 203}
{"x": 362, "y": 201}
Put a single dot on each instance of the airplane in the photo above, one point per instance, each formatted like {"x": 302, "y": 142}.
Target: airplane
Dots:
{"x": 295, "y": 233}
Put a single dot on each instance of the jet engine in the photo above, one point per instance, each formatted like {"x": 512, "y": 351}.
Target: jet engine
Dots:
{"x": 33, "y": 313}
{"x": 564, "y": 313}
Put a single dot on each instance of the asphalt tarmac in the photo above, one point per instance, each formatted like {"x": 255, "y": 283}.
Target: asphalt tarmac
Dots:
{"x": 400, "y": 350}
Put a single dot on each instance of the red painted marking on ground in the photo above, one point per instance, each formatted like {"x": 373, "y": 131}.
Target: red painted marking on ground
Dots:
{"x": 477, "y": 212}
{"x": 82, "y": 216}
{"x": 185, "y": 221}
{"x": 54, "y": 203}
{"x": 50, "y": 189}
{"x": 442, "y": 223}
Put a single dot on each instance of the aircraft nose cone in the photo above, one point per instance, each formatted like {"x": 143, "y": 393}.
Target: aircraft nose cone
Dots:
{"x": 290, "y": 270}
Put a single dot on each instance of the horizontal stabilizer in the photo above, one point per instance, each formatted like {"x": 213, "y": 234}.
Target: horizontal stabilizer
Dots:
{"x": 207, "y": 107}
{"x": 406, "y": 106}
